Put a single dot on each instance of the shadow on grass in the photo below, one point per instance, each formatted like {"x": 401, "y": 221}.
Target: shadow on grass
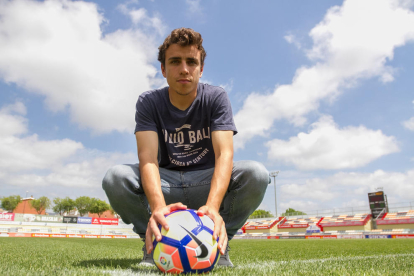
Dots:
{"x": 127, "y": 264}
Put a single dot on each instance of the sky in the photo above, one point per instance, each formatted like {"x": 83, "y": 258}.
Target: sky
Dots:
{"x": 320, "y": 90}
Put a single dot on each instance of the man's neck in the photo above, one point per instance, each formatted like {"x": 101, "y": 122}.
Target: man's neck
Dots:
{"x": 182, "y": 102}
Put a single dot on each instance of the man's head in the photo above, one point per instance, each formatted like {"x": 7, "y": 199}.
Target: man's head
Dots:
{"x": 182, "y": 37}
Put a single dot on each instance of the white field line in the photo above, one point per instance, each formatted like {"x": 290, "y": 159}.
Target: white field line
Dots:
{"x": 129, "y": 272}
{"x": 261, "y": 265}
{"x": 333, "y": 259}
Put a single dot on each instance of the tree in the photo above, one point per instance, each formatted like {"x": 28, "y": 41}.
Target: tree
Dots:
{"x": 261, "y": 214}
{"x": 10, "y": 202}
{"x": 58, "y": 208}
{"x": 68, "y": 204}
{"x": 40, "y": 204}
{"x": 292, "y": 212}
{"x": 98, "y": 207}
{"x": 83, "y": 204}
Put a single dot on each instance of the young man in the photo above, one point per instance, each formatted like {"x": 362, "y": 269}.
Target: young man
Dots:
{"x": 184, "y": 136}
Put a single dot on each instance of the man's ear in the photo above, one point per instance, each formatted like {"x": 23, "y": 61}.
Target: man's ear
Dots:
{"x": 163, "y": 70}
{"x": 201, "y": 70}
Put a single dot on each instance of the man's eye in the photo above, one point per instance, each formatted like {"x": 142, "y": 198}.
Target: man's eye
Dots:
{"x": 174, "y": 62}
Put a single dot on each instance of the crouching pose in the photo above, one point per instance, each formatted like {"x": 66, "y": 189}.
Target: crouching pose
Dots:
{"x": 184, "y": 136}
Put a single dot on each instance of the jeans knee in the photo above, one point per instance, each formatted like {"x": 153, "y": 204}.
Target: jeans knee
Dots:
{"x": 256, "y": 173}
{"x": 112, "y": 177}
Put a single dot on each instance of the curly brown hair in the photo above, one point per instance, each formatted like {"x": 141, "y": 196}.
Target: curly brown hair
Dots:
{"x": 182, "y": 37}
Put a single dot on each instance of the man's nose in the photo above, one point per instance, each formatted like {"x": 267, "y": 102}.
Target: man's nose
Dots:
{"x": 184, "y": 68}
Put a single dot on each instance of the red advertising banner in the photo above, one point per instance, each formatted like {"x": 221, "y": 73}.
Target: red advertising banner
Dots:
{"x": 293, "y": 226}
{"x": 313, "y": 237}
{"x": 108, "y": 221}
{"x": 57, "y": 236}
{"x": 24, "y": 235}
{"x": 91, "y": 236}
{"x": 402, "y": 236}
{"x": 350, "y": 223}
{"x": 330, "y": 237}
{"x": 105, "y": 221}
{"x": 6, "y": 216}
{"x": 40, "y": 235}
{"x": 395, "y": 221}
{"x": 273, "y": 237}
{"x": 262, "y": 226}
{"x": 73, "y": 236}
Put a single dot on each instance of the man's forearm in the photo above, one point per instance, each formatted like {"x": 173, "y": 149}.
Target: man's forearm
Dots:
{"x": 220, "y": 181}
{"x": 151, "y": 183}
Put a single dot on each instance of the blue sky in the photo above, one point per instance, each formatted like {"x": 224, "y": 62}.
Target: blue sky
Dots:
{"x": 321, "y": 91}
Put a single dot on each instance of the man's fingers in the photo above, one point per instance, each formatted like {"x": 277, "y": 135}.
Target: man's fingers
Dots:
{"x": 218, "y": 225}
{"x": 176, "y": 206}
{"x": 223, "y": 239}
{"x": 160, "y": 218}
{"x": 148, "y": 240}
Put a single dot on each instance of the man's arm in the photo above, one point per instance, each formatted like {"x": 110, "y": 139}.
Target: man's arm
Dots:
{"x": 223, "y": 151}
{"x": 147, "y": 144}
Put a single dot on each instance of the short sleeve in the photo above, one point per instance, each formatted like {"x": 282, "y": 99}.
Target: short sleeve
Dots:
{"x": 144, "y": 114}
{"x": 222, "y": 114}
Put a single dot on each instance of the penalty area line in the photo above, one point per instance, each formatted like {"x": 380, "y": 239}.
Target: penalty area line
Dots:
{"x": 333, "y": 259}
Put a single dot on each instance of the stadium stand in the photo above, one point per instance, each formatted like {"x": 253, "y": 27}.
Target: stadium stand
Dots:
{"x": 404, "y": 219}
{"x": 346, "y": 222}
{"x": 261, "y": 226}
{"x": 293, "y": 225}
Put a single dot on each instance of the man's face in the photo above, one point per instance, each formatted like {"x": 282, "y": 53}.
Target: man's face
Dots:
{"x": 182, "y": 69}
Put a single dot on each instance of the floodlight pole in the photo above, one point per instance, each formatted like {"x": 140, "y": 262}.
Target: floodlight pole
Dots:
{"x": 274, "y": 174}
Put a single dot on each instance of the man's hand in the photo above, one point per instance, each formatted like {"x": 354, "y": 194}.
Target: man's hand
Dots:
{"x": 158, "y": 217}
{"x": 219, "y": 226}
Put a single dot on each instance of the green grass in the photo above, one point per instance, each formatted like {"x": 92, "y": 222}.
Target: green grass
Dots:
{"x": 72, "y": 256}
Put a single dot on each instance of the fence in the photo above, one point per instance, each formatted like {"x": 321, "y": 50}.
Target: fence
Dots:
{"x": 392, "y": 207}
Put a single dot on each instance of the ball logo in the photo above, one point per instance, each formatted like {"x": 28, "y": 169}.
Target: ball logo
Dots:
{"x": 163, "y": 261}
{"x": 201, "y": 246}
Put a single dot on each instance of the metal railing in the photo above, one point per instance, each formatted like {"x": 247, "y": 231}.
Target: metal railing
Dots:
{"x": 392, "y": 207}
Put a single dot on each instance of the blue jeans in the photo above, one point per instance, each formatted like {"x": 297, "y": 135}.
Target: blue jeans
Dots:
{"x": 248, "y": 183}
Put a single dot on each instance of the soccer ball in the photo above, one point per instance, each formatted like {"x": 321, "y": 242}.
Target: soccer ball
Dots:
{"x": 188, "y": 246}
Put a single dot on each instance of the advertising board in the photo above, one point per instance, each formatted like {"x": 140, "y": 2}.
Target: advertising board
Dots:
{"x": 105, "y": 221}
{"x": 293, "y": 226}
{"x": 395, "y": 221}
{"x": 53, "y": 219}
{"x": 84, "y": 220}
{"x": 6, "y": 216}
{"x": 70, "y": 219}
{"x": 378, "y": 236}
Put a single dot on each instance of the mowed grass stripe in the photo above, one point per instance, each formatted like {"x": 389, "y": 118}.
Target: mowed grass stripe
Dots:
{"x": 54, "y": 256}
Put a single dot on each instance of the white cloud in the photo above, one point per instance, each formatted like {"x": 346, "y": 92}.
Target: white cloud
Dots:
{"x": 299, "y": 205}
{"x": 57, "y": 49}
{"x": 345, "y": 191}
{"x": 22, "y": 153}
{"x": 141, "y": 19}
{"x": 227, "y": 86}
{"x": 409, "y": 124}
{"x": 328, "y": 147}
{"x": 28, "y": 162}
{"x": 194, "y": 7}
{"x": 290, "y": 38}
{"x": 351, "y": 43}
{"x": 82, "y": 174}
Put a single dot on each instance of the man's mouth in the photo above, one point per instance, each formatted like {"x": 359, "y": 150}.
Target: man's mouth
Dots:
{"x": 183, "y": 81}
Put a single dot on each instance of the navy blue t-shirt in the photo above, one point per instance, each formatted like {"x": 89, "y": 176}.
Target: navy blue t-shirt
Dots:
{"x": 184, "y": 136}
